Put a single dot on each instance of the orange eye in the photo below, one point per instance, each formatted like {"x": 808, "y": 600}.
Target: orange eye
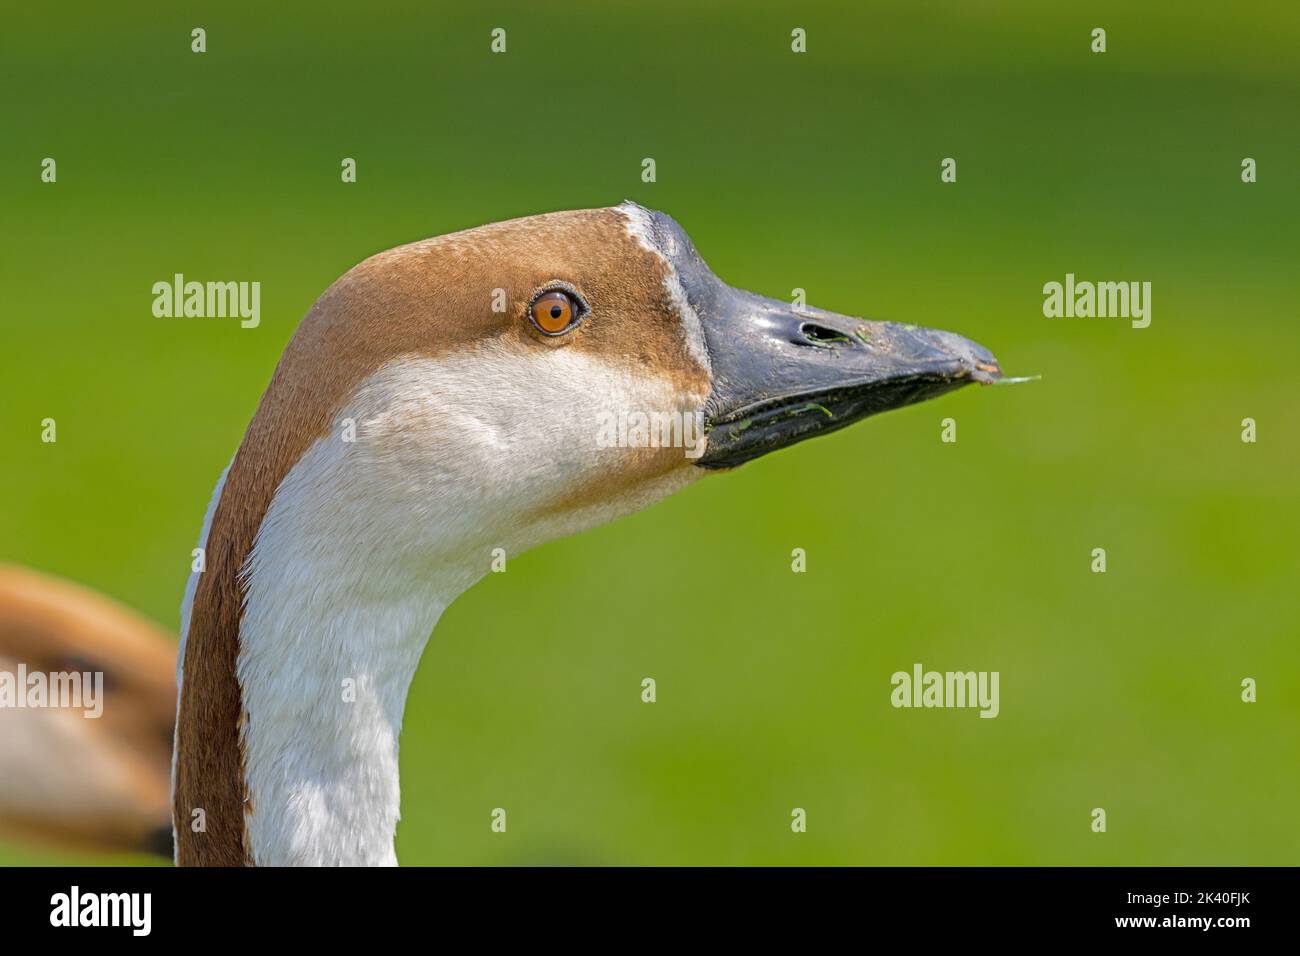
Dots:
{"x": 553, "y": 312}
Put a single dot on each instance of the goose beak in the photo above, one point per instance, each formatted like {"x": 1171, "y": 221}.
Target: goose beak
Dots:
{"x": 782, "y": 374}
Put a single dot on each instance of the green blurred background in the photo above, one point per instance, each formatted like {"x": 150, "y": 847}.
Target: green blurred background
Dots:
{"x": 818, "y": 171}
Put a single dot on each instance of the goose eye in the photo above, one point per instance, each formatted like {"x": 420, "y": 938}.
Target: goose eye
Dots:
{"x": 554, "y": 312}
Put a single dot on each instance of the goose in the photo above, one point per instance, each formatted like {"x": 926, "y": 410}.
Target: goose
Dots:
{"x": 86, "y": 783}
{"x": 442, "y": 402}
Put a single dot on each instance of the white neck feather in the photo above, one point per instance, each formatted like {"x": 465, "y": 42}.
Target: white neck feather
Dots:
{"x": 325, "y": 677}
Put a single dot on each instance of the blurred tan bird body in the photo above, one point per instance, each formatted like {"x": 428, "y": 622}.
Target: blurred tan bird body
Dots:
{"x": 103, "y": 782}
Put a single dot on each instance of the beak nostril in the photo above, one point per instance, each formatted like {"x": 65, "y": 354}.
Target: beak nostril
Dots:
{"x": 823, "y": 336}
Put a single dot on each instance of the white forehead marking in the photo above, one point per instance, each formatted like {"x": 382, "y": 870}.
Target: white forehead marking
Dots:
{"x": 641, "y": 228}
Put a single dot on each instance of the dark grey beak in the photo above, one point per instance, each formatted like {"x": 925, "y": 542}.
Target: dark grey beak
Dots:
{"x": 782, "y": 374}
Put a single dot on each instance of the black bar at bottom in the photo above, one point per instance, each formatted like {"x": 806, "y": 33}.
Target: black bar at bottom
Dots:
{"x": 479, "y": 905}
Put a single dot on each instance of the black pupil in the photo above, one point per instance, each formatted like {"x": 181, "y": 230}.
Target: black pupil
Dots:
{"x": 556, "y": 311}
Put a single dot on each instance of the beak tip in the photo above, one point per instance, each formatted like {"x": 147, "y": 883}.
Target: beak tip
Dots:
{"x": 987, "y": 373}
{"x": 975, "y": 362}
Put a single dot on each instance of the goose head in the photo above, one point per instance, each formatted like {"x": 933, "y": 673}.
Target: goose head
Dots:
{"x": 531, "y": 378}
{"x": 449, "y": 401}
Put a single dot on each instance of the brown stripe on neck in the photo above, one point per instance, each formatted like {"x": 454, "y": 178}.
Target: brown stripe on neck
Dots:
{"x": 209, "y": 751}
